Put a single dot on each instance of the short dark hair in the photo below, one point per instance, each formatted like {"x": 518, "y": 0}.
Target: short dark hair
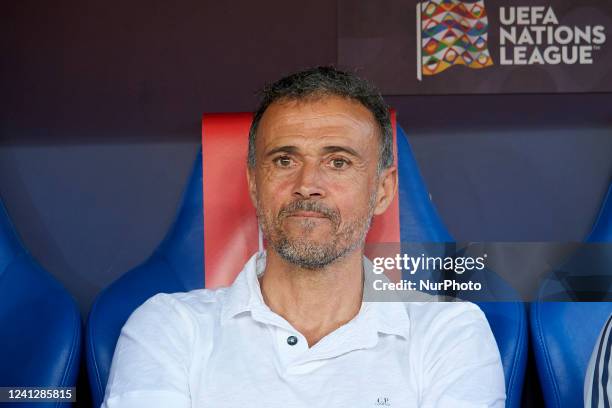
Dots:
{"x": 324, "y": 81}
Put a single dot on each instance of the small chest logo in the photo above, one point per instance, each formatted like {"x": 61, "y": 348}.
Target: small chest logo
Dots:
{"x": 382, "y": 402}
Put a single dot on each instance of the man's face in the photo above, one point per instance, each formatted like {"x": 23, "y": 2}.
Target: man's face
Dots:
{"x": 315, "y": 183}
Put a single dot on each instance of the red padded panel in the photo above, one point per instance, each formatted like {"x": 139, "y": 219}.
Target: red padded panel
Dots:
{"x": 386, "y": 227}
{"x": 230, "y": 223}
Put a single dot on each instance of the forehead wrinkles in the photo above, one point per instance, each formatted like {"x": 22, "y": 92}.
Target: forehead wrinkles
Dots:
{"x": 335, "y": 123}
{"x": 333, "y": 116}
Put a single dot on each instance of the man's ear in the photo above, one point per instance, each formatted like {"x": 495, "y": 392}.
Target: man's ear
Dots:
{"x": 250, "y": 174}
{"x": 386, "y": 189}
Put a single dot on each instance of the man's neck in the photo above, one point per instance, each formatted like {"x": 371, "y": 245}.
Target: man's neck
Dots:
{"x": 315, "y": 302}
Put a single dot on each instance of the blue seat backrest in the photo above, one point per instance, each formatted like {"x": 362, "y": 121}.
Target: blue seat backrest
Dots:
{"x": 419, "y": 222}
{"x": 175, "y": 266}
{"x": 40, "y": 341}
{"x": 563, "y": 334}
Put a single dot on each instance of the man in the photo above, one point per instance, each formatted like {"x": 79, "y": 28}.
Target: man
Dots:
{"x": 294, "y": 330}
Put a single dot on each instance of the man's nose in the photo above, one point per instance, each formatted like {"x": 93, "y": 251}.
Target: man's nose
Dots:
{"x": 308, "y": 183}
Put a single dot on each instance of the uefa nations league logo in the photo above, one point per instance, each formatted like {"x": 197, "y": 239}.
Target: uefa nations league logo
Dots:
{"x": 454, "y": 32}
{"x": 451, "y": 32}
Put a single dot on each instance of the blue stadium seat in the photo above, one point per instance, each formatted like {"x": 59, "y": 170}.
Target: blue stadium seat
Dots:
{"x": 563, "y": 334}
{"x": 40, "y": 325}
{"x": 419, "y": 222}
{"x": 177, "y": 265}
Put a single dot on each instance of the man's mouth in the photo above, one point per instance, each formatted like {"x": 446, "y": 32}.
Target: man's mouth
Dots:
{"x": 307, "y": 214}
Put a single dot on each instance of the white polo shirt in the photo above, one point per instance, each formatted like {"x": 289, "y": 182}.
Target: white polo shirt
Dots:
{"x": 225, "y": 348}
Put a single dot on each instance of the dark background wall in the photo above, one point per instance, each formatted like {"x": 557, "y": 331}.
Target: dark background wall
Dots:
{"x": 99, "y": 125}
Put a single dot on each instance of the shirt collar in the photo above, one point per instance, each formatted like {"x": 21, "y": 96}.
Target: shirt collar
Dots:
{"x": 390, "y": 317}
{"x": 245, "y": 296}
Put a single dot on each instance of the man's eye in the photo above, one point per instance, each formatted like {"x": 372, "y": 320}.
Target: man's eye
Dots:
{"x": 339, "y": 163}
{"x": 283, "y": 161}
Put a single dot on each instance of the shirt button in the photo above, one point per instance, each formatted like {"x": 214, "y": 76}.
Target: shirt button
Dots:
{"x": 292, "y": 340}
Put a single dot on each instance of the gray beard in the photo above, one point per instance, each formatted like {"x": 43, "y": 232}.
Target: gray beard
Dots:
{"x": 313, "y": 256}
{"x": 307, "y": 254}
